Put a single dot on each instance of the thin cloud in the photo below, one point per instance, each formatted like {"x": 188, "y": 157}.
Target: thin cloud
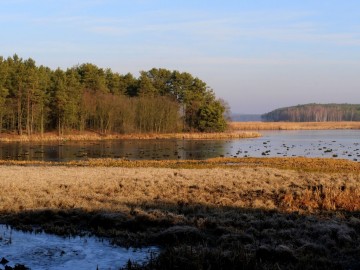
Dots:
{"x": 111, "y": 30}
{"x": 293, "y": 27}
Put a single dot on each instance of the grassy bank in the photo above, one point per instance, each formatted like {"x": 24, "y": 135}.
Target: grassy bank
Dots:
{"x": 276, "y": 213}
{"x": 325, "y": 165}
{"x": 93, "y": 136}
{"x": 293, "y": 125}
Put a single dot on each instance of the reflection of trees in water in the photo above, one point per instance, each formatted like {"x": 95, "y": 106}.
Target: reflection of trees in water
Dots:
{"x": 15, "y": 151}
{"x": 130, "y": 149}
{"x": 193, "y": 149}
{"x": 301, "y": 143}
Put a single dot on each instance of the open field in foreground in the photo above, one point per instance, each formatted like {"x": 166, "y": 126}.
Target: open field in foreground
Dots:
{"x": 280, "y": 213}
{"x": 94, "y": 136}
{"x": 292, "y": 125}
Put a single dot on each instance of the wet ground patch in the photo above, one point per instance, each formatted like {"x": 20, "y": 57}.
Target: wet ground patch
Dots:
{"x": 38, "y": 250}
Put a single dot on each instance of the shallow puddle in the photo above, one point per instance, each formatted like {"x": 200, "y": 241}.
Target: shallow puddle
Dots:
{"x": 43, "y": 251}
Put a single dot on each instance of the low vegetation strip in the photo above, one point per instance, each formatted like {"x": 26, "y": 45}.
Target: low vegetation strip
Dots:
{"x": 93, "y": 136}
{"x": 225, "y": 213}
{"x": 293, "y": 125}
{"x": 324, "y": 165}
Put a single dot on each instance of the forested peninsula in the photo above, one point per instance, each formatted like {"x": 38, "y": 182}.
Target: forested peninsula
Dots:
{"x": 315, "y": 113}
{"x": 36, "y": 99}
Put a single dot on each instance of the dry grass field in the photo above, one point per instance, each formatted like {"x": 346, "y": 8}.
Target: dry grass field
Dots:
{"x": 250, "y": 213}
{"x": 292, "y": 125}
{"x": 114, "y": 188}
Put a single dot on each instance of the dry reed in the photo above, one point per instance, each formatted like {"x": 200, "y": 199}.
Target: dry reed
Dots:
{"x": 292, "y": 125}
{"x": 250, "y": 184}
{"x": 93, "y": 136}
{"x": 326, "y": 165}
{"x": 270, "y": 213}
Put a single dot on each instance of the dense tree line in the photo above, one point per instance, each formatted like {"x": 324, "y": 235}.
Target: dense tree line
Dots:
{"x": 315, "y": 113}
{"x": 35, "y": 99}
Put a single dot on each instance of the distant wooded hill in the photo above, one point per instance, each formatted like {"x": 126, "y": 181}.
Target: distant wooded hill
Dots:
{"x": 237, "y": 117}
{"x": 315, "y": 113}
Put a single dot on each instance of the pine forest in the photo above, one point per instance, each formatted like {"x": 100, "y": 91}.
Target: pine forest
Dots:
{"x": 36, "y": 99}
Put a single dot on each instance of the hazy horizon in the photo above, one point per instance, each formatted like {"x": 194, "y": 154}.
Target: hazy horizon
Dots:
{"x": 257, "y": 55}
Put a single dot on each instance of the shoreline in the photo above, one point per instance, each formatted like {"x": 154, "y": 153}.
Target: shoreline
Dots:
{"x": 237, "y": 130}
{"x": 306, "y": 164}
{"x": 256, "y": 126}
{"x": 93, "y": 136}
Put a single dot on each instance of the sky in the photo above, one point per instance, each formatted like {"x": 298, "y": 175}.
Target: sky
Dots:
{"x": 258, "y": 55}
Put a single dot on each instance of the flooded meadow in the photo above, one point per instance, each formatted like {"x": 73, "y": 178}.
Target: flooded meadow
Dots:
{"x": 301, "y": 143}
{"x": 235, "y": 210}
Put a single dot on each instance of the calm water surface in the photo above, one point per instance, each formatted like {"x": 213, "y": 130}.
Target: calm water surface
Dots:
{"x": 308, "y": 143}
{"x": 320, "y": 143}
{"x": 44, "y": 251}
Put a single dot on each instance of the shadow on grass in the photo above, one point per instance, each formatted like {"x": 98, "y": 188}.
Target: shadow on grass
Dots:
{"x": 196, "y": 236}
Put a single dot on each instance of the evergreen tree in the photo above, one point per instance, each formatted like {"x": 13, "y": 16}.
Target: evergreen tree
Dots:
{"x": 3, "y": 90}
{"x": 37, "y": 99}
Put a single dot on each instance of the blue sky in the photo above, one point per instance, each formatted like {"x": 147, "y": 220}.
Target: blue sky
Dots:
{"x": 257, "y": 55}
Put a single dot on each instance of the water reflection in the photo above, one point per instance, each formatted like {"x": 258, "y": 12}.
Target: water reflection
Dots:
{"x": 129, "y": 149}
{"x": 320, "y": 143}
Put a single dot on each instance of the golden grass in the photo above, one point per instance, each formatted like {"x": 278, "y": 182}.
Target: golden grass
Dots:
{"x": 93, "y": 136}
{"x": 254, "y": 183}
{"x": 247, "y": 213}
{"x": 326, "y": 165}
{"x": 292, "y": 125}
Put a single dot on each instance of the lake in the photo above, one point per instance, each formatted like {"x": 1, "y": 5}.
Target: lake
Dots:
{"x": 308, "y": 143}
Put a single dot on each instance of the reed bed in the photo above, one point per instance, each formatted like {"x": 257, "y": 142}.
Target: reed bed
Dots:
{"x": 326, "y": 165}
{"x": 293, "y": 125}
{"x": 265, "y": 213}
{"x": 93, "y": 136}
{"x": 112, "y": 188}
